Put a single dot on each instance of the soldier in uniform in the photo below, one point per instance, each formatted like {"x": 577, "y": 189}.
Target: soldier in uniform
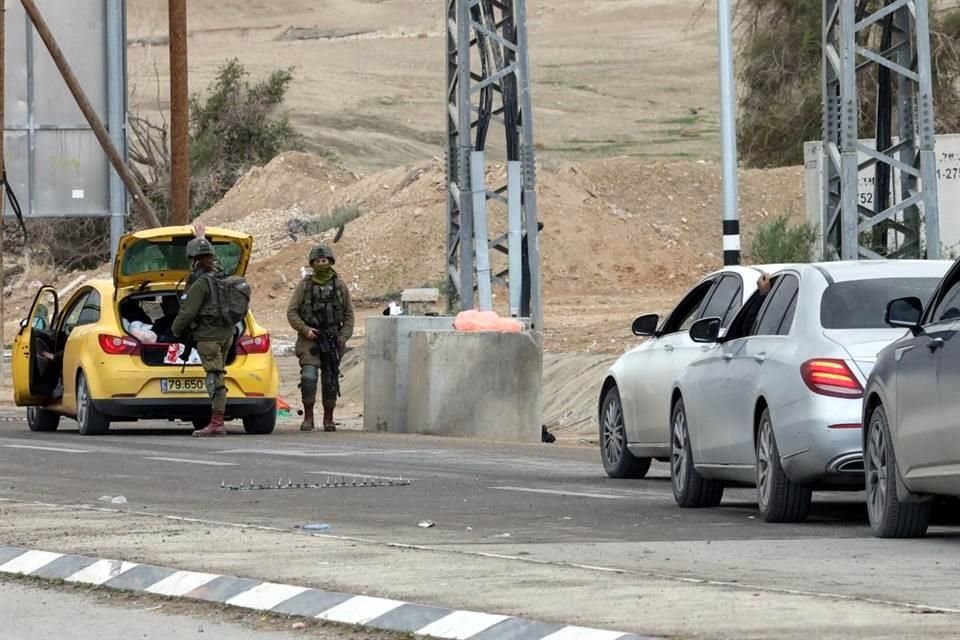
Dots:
{"x": 321, "y": 313}
{"x": 200, "y": 318}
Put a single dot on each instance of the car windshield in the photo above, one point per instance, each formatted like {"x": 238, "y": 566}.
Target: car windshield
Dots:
{"x": 862, "y": 304}
{"x": 145, "y": 256}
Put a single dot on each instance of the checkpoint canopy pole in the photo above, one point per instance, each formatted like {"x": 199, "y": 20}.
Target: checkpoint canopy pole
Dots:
{"x": 3, "y": 190}
{"x": 728, "y": 135}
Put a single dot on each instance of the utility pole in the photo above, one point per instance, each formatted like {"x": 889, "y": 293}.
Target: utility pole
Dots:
{"x": 493, "y": 33}
{"x": 894, "y": 40}
{"x": 728, "y": 135}
{"x": 179, "y": 115}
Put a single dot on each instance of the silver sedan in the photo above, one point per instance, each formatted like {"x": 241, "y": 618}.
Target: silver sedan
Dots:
{"x": 776, "y": 402}
{"x": 634, "y": 400}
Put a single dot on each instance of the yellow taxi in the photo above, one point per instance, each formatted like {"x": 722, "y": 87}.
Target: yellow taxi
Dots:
{"x": 105, "y": 354}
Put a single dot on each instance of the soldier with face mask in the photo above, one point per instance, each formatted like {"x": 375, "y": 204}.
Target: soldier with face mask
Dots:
{"x": 200, "y": 317}
{"x": 321, "y": 313}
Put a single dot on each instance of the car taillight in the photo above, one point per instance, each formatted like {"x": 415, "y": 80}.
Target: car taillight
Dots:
{"x": 830, "y": 377}
{"x": 254, "y": 344}
{"x": 118, "y": 346}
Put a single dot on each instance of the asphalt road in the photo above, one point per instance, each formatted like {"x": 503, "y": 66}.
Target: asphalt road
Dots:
{"x": 543, "y": 502}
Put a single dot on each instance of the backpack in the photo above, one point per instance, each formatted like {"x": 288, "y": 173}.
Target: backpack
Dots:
{"x": 230, "y": 298}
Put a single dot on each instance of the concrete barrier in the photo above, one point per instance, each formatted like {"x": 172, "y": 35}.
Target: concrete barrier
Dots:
{"x": 387, "y": 341}
{"x": 476, "y": 385}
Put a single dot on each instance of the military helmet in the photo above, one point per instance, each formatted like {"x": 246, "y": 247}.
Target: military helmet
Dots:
{"x": 199, "y": 247}
{"x": 321, "y": 251}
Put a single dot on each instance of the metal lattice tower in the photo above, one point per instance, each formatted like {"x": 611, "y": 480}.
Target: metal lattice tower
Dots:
{"x": 892, "y": 39}
{"x": 488, "y": 83}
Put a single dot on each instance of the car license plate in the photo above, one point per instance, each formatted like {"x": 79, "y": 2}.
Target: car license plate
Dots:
{"x": 182, "y": 385}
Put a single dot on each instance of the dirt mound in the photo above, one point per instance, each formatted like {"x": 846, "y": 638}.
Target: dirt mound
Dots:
{"x": 620, "y": 228}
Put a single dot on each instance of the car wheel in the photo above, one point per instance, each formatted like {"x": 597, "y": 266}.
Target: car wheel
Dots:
{"x": 40, "y": 419}
{"x": 618, "y": 462}
{"x": 778, "y": 498}
{"x": 890, "y": 517}
{"x": 92, "y": 422}
{"x": 260, "y": 424}
{"x": 690, "y": 489}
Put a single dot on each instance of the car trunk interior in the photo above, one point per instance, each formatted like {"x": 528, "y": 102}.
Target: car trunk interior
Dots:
{"x": 149, "y": 318}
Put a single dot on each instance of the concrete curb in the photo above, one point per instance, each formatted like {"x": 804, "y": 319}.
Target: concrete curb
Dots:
{"x": 378, "y": 613}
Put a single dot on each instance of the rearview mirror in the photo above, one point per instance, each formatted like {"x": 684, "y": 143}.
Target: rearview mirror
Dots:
{"x": 705, "y": 330}
{"x": 904, "y": 312}
{"x": 646, "y": 325}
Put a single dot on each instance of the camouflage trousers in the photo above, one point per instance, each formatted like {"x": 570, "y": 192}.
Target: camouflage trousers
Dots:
{"x": 213, "y": 357}
{"x": 313, "y": 373}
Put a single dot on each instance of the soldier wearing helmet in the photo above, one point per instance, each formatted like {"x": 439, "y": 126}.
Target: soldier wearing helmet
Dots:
{"x": 321, "y": 312}
{"x": 200, "y": 319}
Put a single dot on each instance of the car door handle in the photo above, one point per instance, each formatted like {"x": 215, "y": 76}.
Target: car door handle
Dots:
{"x": 668, "y": 347}
{"x": 760, "y": 357}
{"x": 935, "y": 343}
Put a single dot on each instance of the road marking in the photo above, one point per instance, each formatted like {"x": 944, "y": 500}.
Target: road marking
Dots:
{"x": 583, "y": 633}
{"x": 360, "y": 610}
{"x": 39, "y": 448}
{"x": 265, "y": 596}
{"x": 460, "y": 625}
{"x": 102, "y": 571}
{"x": 209, "y": 463}
{"x": 180, "y": 583}
{"x": 29, "y": 562}
{"x": 354, "y": 475}
{"x": 556, "y": 492}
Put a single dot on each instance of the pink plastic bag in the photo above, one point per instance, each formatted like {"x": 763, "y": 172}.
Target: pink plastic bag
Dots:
{"x": 473, "y": 320}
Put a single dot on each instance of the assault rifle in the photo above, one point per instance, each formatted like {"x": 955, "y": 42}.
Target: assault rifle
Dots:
{"x": 328, "y": 343}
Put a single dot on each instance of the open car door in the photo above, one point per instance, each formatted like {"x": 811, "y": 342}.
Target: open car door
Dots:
{"x": 34, "y": 377}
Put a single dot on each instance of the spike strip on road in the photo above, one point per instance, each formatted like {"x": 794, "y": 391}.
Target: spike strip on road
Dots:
{"x": 345, "y": 608}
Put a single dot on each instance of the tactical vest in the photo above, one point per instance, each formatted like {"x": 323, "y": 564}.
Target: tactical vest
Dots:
{"x": 322, "y": 305}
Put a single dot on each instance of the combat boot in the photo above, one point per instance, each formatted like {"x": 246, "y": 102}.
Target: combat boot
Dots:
{"x": 307, "y": 424}
{"x": 214, "y": 429}
{"x": 328, "y": 423}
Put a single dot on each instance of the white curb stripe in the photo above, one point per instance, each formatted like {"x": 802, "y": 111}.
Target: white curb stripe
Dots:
{"x": 180, "y": 583}
{"x": 583, "y": 633}
{"x": 460, "y": 625}
{"x": 360, "y": 610}
{"x": 102, "y": 571}
{"x": 29, "y": 562}
{"x": 266, "y": 595}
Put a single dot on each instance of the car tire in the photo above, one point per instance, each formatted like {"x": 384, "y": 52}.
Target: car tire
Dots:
{"x": 260, "y": 424}
{"x": 778, "y": 498}
{"x": 618, "y": 462}
{"x": 690, "y": 489}
{"x": 91, "y": 421}
{"x": 890, "y": 516}
{"x": 40, "y": 419}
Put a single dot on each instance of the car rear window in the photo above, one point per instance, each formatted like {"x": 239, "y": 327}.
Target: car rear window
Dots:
{"x": 862, "y": 304}
{"x": 145, "y": 256}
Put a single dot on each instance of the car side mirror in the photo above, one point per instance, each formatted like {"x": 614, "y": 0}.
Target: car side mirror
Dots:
{"x": 646, "y": 325}
{"x": 706, "y": 330}
{"x": 905, "y": 313}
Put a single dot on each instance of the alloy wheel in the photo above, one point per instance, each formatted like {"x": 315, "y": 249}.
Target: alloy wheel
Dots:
{"x": 613, "y": 431}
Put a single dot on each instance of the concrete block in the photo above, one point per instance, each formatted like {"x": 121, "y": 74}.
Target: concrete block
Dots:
{"x": 419, "y": 301}
{"x": 385, "y": 368}
{"x": 484, "y": 385}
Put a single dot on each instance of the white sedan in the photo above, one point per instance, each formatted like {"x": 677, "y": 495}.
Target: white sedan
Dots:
{"x": 634, "y": 402}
